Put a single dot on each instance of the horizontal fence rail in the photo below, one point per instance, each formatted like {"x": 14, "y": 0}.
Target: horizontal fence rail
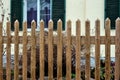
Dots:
{"x": 60, "y": 46}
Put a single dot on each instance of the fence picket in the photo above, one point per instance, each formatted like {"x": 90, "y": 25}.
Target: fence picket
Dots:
{"x": 68, "y": 52}
{"x": 8, "y": 52}
{"x": 41, "y": 50}
{"x": 24, "y": 72}
{"x": 78, "y": 52}
{"x": 16, "y": 48}
{"x": 50, "y": 50}
{"x": 1, "y": 54}
{"x": 59, "y": 41}
{"x": 117, "y": 50}
{"x": 59, "y": 50}
{"x": 97, "y": 50}
{"x": 33, "y": 51}
{"x": 87, "y": 65}
{"x": 107, "y": 49}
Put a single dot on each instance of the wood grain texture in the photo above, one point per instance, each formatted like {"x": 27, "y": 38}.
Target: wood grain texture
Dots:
{"x": 107, "y": 49}
{"x": 24, "y": 72}
{"x": 42, "y": 50}
{"x": 59, "y": 50}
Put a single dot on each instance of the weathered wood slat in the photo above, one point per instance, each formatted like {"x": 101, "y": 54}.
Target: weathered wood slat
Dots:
{"x": 1, "y": 54}
{"x": 68, "y": 52}
{"x": 41, "y": 50}
{"x": 50, "y": 50}
{"x": 16, "y": 49}
{"x": 107, "y": 49}
{"x": 73, "y": 39}
{"x": 78, "y": 52}
{"x": 8, "y": 52}
{"x": 87, "y": 54}
{"x": 97, "y": 50}
{"x": 59, "y": 50}
{"x": 33, "y": 51}
{"x": 24, "y": 72}
{"x": 117, "y": 50}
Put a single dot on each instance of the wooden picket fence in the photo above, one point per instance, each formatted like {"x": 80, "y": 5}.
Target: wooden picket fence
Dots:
{"x": 78, "y": 40}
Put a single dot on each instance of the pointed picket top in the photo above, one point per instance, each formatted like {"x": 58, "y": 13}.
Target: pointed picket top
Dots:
{"x": 97, "y": 23}
{"x": 33, "y": 23}
{"x": 41, "y": 25}
{"x": 59, "y": 24}
{"x": 59, "y": 20}
{"x": 16, "y": 24}
{"x": 88, "y": 21}
{"x": 69, "y": 24}
{"x": 78, "y": 23}
{"x": 117, "y": 20}
{"x": 33, "y": 20}
{"x": 78, "y": 20}
{"x": 16, "y": 21}
{"x": 50, "y": 24}
{"x": 107, "y": 19}
{"x": 117, "y": 24}
{"x": 97, "y": 20}
{"x": 24, "y": 25}
{"x": 41, "y": 20}
{"x": 107, "y": 23}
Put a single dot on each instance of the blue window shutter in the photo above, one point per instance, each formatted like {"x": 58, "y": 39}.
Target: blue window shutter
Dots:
{"x": 58, "y": 12}
{"x": 112, "y": 11}
{"x": 16, "y": 12}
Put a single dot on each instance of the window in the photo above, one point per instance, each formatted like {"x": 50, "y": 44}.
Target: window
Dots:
{"x": 112, "y": 11}
{"x": 28, "y": 10}
{"x": 16, "y": 12}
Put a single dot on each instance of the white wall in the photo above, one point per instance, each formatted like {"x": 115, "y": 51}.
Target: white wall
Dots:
{"x": 75, "y": 10}
{"x": 78, "y": 9}
{"x": 88, "y": 9}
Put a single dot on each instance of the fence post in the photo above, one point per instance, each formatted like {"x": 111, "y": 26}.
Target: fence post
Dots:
{"x": 50, "y": 50}
{"x": 78, "y": 52}
{"x": 8, "y": 65}
{"x": 41, "y": 50}
{"x": 59, "y": 50}
{"x": 87, "y": 65}
{"x": 107, "y": 49}
{"x": 117, "y": 50}
{"x": 16, "y": 47}
{"x": 97, "y": 49}
{"x": 24, "y": 61}
{"x": 1, "y": 54}
{"x": 33, "y": 51}
{"x": 68, "y": 52}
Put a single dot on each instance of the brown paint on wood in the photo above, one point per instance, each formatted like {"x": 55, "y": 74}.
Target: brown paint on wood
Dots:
{"x": 33, "y": 50}
{"x": 42, "y": 50}
{"x": 78, "y": 48}
{"x": 68, "y": 51}
{"x": 1, "y": 52}
{"x": 59, "y": 50}
{"x": 97, "y": 50}
{"x": 16, "y": 49}
{"x": 117, "y": 50}
{"x": 107, "y": 49}
{"x": 8, "y": 52}
{"x": 87, "y": 44}
{"x": 24, "y": 72}
{"x": 50, "y": 50}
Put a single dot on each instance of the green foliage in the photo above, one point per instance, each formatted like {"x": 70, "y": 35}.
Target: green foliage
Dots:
{"x": 102, "y": 71}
